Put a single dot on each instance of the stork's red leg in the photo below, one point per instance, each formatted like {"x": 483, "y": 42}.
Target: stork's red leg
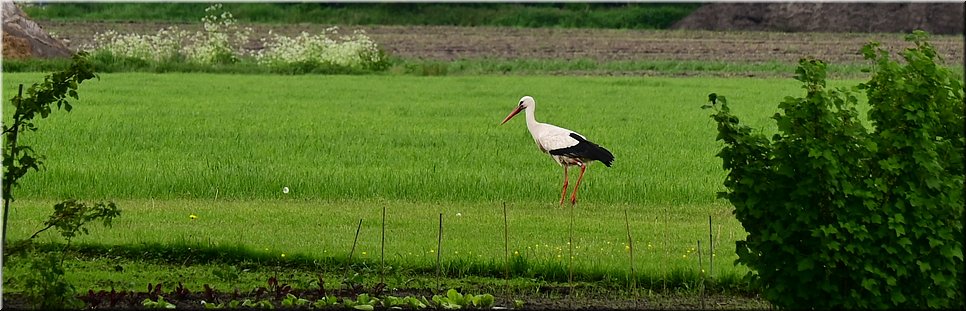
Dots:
{"x": 563, "y": 194}
{"x": 573, "y": 197}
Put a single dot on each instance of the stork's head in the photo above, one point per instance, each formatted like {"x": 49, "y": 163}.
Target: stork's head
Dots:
{"x": 525, "y": 102}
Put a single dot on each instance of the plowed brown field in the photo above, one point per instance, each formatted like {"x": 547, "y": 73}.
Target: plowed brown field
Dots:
{"x": 449, "y": 43}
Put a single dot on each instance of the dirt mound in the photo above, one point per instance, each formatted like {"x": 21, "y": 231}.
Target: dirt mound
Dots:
{"x": 23, "y": 38}
{"x": 935, "y": 18}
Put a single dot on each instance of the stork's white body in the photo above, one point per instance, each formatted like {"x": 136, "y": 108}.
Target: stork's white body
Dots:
{"x": 551, "y": 137}
{"x": 566, "y": 147}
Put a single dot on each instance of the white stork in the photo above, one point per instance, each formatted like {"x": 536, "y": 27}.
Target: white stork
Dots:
{"x": 564, "y": 146}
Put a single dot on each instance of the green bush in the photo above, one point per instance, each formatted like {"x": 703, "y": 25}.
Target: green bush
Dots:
{"x": 839, "y": 215}
{"x": 48, "y": 288}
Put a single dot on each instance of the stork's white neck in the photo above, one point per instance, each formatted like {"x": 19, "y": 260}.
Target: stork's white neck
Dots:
{"x": 531, "y": 119}
{"x": 532, "y": 124}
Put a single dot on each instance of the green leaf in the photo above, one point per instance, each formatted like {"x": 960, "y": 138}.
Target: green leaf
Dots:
{"x": 899, "y": 219}
{"x": 455, "y": 297}
{"x": 486, "y": 300}
{"x": 321, "y": 303}
{"x": 904, "y": 241}
{"x": 805, "y": 264}
{"x": 869, "y": 284}
{"x": 209, "y": 305}
{"x": 900, "y": 230}
{"x": 248, "y": 303}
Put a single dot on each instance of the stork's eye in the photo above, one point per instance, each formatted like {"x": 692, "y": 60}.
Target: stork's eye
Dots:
{"x": 521, "y": 102}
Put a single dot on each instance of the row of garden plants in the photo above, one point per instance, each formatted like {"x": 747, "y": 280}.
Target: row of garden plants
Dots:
{"x": 280, "y": 295}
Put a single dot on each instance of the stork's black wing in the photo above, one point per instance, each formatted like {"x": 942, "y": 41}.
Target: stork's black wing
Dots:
{"x": 585, "y": 149}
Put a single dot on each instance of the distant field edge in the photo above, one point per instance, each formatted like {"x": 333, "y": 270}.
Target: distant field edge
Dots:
{"x": 478, "y": 66}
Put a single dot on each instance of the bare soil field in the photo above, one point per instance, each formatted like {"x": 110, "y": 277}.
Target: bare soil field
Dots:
{"x": 446, "y": 43}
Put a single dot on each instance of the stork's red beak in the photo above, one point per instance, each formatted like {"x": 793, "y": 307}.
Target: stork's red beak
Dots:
{"x": 515, "y": 112}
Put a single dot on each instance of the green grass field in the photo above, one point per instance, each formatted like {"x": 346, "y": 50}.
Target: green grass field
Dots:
{"x": 222, "y": 147}
{"x": 425, "y": 139}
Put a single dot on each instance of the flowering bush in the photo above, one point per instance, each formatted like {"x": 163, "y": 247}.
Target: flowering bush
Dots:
{"x": 214, "y": 45}
{"x": 165, "y": 45}
{"x": 211, "y": 46}
{"x": 353, "y": 51}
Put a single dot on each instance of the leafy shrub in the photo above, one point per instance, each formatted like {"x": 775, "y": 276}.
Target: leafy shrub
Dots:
{"x": 70, "y": 217}
{"x": 47, "y": 288}
{"x": 841, "y": 216}
{"x": 18, "y": 159}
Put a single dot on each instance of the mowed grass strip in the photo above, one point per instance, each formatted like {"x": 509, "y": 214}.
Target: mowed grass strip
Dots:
{"x": 665, "y": 237}
{"x": 418, "y": 139}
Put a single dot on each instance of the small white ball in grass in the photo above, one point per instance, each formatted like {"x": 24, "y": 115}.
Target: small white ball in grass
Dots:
{"x": 459, "y": 214}
{"x": 284, "y": 189}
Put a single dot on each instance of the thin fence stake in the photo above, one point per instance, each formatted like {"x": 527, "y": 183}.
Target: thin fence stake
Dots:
{"x": 506, "y": 251}
{"x": 348, "y": 262}
{"x": 667, "y": 251}
{"x": 701, "y": 272}
{"x": 439, "y": 251}
{"x": 570, "y": 262}
{"x": 662, "y": 263}
{"x": 382, "y": 249}
{"x": 710, "y": 248}
{"x": 630, "y": 247}
{"x": 632, "y": 281}
{"x": 700, "y": 263}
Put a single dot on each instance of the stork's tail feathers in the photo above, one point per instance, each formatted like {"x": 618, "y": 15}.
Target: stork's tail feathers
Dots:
{"x": 600, "y": 154}
{"x": 604, "y": 156}
{"x": 586, "y": 149}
